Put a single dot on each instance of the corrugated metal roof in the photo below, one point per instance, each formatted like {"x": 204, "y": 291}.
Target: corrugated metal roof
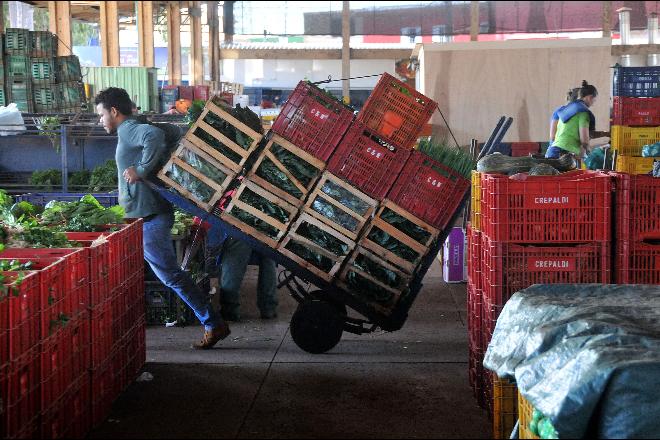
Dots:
{"x": 312, "y": 46}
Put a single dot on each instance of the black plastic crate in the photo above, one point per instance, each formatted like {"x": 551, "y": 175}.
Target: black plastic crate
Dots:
{"x": 640, "y": 82}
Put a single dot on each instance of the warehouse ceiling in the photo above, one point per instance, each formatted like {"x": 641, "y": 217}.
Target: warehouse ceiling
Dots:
{"x": 88, "y": 11}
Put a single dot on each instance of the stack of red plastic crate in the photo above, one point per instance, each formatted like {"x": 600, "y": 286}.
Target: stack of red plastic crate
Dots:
{"x": 637, "y": 229}
{"x": 77, "y": 311}
{"x": 538, "y": 230}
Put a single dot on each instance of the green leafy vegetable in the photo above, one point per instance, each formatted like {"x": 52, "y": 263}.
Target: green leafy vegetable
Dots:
{"x": 393, "y": 245}
{"x": 321, "y": 261}
{"x": 47, "y": 180}
{"x": 457, "y": 159}
{"x": 5, "y": 199}
{"x": 104, "y": 177}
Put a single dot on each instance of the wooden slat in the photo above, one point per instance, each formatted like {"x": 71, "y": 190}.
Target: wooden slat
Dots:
{"x": 405, "y": 214}
{"x": 198, "y": 174}
{"x": 328, "y": 276}
{"x": 270, "y": 197}
{"x": 398, "y": 235}
{"x": 275, "y": 190}
{"x": 347, "y": 232}
{"x": 211, "y": 106}
{"x": 353, "y": 190}
{"x": 199, "y": 143}
{"x": 187, "y": 145}
{"x": 222, "y": 138}
{"x": 306, "y": 218}
{"x": 286, "y": 172}
{"x": 380, "y": 251}
{"x": 316, "y": 163}
{"x": 259, "y": 214}
{"x": 225, "y": 216}
{"x": 185, "y": 193}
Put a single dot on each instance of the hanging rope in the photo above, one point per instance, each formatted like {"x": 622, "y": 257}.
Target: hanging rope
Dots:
{"x": 329, "y": 80}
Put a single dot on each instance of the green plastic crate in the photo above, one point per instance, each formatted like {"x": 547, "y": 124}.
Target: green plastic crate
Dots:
{"x": 17, "y": 41}
{"x": 72, "y": 93}
{"x": 45, "y": 98}
{"x": 42, "y": 69}
{"x": 68, "y": 69}
{"x": 19, "y": 91}
{"x": 17, "y": 66}
{"x": 3, "y": 100}
{"x": 43, "y": 44}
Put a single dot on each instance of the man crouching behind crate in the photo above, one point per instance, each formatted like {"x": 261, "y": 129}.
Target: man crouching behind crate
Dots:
{"x": 140, "y": 152}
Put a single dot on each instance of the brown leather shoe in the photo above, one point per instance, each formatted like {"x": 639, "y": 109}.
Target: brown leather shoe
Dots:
{"x": 212, "y": 337}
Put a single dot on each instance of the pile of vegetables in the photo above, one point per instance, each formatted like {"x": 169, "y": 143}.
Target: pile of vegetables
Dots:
{"x": 302, "y": 171}
{"x": 84, "y": 215}
{"x": 103, "y": 177}
{"x": 182, "y": 222}
{"x": 264, "y": 205}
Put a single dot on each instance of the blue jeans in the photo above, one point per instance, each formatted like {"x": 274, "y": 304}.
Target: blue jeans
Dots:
{"x": 554, "y": 152}
{"x": 159, "y": 253}
{"x": 235, "y": 259}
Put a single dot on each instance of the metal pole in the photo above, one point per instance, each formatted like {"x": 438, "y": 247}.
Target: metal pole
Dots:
{"x": 64, "y": 155}
{"x": 346, "y": 51}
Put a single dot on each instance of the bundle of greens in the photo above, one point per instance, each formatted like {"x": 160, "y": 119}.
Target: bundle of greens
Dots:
{"x": 194, "y": 111}
{"x": 81, "y": 216}
{"x": 455, "y": 158}
{"x": 47, "y": 180}
{"x": 393, "y": 245}
{"x": 5, "y": 199}
{"x": 104, "y": 177}
{"x": 197, "y": 188}
{"x": 404, "y": 225}
{"x": 182, "y": 222}
{"x": 264, "y": 205}
{"x": 14, "y": 265}
{"x": 79, "y": 179}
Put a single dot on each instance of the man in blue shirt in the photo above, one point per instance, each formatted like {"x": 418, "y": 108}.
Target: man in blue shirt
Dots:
{"x": 141, "y": 151}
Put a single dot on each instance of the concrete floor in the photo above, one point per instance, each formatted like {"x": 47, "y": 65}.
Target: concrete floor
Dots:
{"x": 258, "y": 384}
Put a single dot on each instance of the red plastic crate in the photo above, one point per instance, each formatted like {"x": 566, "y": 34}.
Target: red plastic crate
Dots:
{"x": 571, "y": 208}
{"x": 474, "y": 312}
{"x": 101, "y": 275}
{"x": 367, "y": 161}
{"x": 637, "y": 207}
{"x": 490, "y": 312}
{"x": 70, "y": 416}
{"x": 397, "y": 111}
{"x": 201, "y": 93}
{"x": 186, "y": 92}
{"x": 637, "y": 263}
{"x": 522, "y": 149}
{"x": 635, "y": 111}
{"x": 512, "y": 267}
{"x": 474, "y": 257}
{"x": 429, "y": 189}
{"x": 103, "y": 389}
{"x": 23, "y": 398}
{"x": 77, "y": 268}
{"x": 4, "y": 327}
{"x": 101, "y": 334}
{"x": 23, "y": 332}
{"x": 476, "y": 374}
{"x": 313, "y": 121}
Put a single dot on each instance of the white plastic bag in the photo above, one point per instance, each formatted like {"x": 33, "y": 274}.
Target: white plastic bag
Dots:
{"x": 11, "y": 121}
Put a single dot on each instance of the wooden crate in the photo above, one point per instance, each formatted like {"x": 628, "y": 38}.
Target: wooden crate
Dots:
{"x": 294, "y": 238}
{"x": 303, "y": 187}
{"x": 391, "y": 292}
{"x": 419, "y": 248}
{"x": 196, "y": 161}
{"x": 201, "y": 124}
{"x": 238, "y": 203}
{"x": 320, "y": 195}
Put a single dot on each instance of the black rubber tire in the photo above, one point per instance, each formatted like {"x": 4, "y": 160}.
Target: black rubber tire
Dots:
{"x": 316, "y": 326}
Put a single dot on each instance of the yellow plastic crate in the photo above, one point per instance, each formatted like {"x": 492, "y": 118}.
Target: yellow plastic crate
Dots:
{"x": 505, "y": 407}
{"x": 525, "y": 411}
{"x": 475, "y": 204}
{"x": 628, "y": 141}
{"x": 634, "y": 165}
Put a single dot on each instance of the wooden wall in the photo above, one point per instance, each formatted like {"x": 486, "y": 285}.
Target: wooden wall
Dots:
{"x": 477, "y": 82}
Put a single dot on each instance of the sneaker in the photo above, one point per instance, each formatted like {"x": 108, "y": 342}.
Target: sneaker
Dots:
{"x": 271, "y": 314}
{"x": 211, "y": 337}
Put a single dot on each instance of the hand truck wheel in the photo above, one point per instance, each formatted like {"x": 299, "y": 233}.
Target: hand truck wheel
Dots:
{"x": 317, "y": 326}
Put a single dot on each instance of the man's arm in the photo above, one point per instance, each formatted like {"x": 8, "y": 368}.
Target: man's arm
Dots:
{"x": 153, "y": 148}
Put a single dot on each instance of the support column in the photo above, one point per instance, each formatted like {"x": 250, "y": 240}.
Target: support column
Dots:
{"x": 145, "y": 21}
{"x": 607, "y": 19}
{"x": 59, "y": 14}
{"x": 346, "y": 51}
{"x": 474, "y": 20}
{"x": 228, "y": 21}
{"x": 174, "y": 41}
{"x": 109, "y": 33}
{"x": 214, "y": 41}
{"x": 2, "y": 14}
{"x": 196, "y": 60}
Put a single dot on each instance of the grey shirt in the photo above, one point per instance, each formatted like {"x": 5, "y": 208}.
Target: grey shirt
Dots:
{"x": 141, "y": 146}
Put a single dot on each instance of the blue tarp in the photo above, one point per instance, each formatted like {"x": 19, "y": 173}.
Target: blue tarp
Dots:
{"x": 586, "y": 355}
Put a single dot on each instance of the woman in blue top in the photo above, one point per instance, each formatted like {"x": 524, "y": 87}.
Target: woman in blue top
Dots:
{"x": 571, "y": 96}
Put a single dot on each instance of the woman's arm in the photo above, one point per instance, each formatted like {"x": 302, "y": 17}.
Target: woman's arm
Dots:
{"x": 553, "y": 129}
{"x": 584, "y": 141}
